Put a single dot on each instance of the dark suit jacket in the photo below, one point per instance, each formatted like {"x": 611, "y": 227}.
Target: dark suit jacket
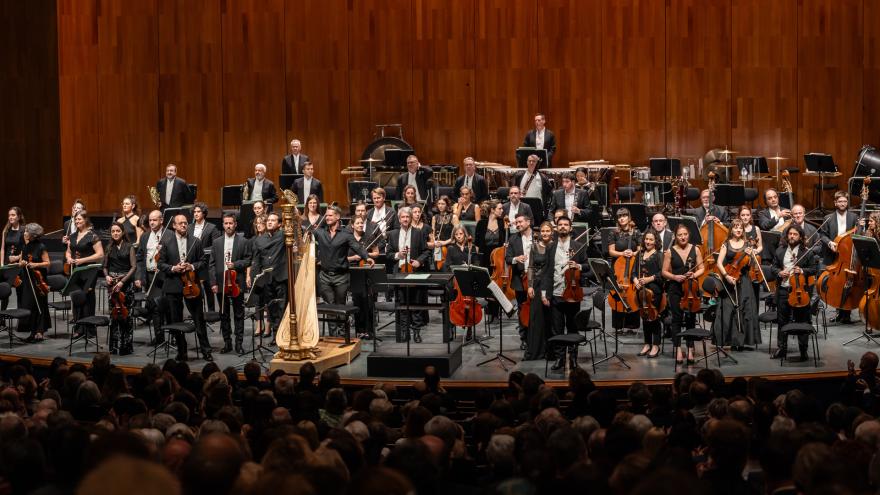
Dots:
{"x": 765, "y": 221}
{"x": 315, "y": 188}
{"x": 180, "y": 194}
{"x": 241, "y": 259}
{"x": 479, "y": 186}
{"x": 549, "y": 145}
{"x": 269, "y": 251}
{"x": 289, "y": 167}
{"x": 371, "y": 227}
{"x": 169, "y": 256}
{"x": 809, "y": 231}
{"x": 269, "y": 193}
{"x": 582, "y": 201}
{"x": 514, "y": 249}
{"x": 829, "y": 232}
{"x": 579, "y": 258}
{"x": 668, "y": 239}
{"x": 418, "y": 249}
{"x": 422, "y": 176}
{"x": 209, "y": 233}
{"x": 523, "y": 208}
{"x": 546, "y": 188}
{"x": 141, "y": 253}
{"x": 809, "y": 263}
{"x": 700, "y": 214}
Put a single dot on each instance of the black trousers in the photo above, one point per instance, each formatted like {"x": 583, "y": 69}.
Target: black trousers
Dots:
{"x": 210, "y": 297}
{"x": 333, "y": 289}
{"x": 276, "y": 291}
{"x": 157, "y": 308}
{"x": 236, "y": 304}
{"x": 521, "y": 297}
{"x": 786, "y": 314}
{"x": 679, "y": 319}
{"x": 563, "y": 314}
{"x": 194, "y": 306}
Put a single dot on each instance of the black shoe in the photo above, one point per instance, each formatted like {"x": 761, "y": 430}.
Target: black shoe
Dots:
{"x": 803, "y": 357}
{"x": 207, "y": 356}
{"x": 779, "y": 354}
{"x": 523, "y": 345}
{"x": 417, "y": 335}
{"x": 558, "y": 365}
{"x": 573, "y": 363}
{"x": 239, "y": 349}
{"x": 227, "y": 348}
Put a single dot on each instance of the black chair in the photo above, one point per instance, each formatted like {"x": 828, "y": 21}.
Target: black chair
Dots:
{"x": 445, "y": 191}
{"x": 585, "y": 324}
{"x": 88, "y": 325}
{"x": 626, "y": 193}
{"x": 750, "y": 194}
{"x": 768, "y": 318}
{"x": 818, "y": 310}
{"x": 567, "y": 342}
{"x": 10, "y": 314}
{"x": 340, "y": 314}
{"x": 56, "y": 285}
{"x": 183, "y": 329}
{"x": 797, "y": 329}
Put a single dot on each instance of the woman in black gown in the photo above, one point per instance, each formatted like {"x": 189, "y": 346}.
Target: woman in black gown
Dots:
{"x": 11, "y": 243}
{"x": 119, "y": 266}
{"x": 33, "y": 259}
{"x": 465, "y": 210}
{"x": 625, "y": 241}
{"x": 539, "y": 294}
{"x": 441, "y": 231}
{"x": 84, "y": 248}
{"x": 648, "y": 268}
{"x": 130, "y": 220}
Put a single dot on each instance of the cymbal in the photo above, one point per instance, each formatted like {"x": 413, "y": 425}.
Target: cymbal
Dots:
{"x": 371, "y": 160}
{"x": 777, "y": 158}
{"x": 490, "y": 164}
{"x": 722, "y": 165}
{"x": 728, "y": 152}
{"x": 621, "y": 166}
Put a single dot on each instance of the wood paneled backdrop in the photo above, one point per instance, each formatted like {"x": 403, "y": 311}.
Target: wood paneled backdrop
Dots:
{"x": 218, "y": 85}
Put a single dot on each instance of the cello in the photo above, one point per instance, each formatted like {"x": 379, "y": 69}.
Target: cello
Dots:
{"x": 713, "y": 234}
{"x": 501, "y": 271}
{"x": 464, "y": 311}
{"x": 840, "y": 285}
{"x": 623, "y": 273}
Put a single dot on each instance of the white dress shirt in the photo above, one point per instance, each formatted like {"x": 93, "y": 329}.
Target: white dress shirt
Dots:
{"x": 539, "y": 139}
{"x": 257, "y": 193}
{"x": 841, "y": 223}
{"x": 527, "y": 249}
{"x": 228, "y": 242}
{"x": 169, "y": 188}
{"x": 569, "y": 202}
{"x": 181, "y": 246}
{"x": 791, "y": 256}
{"x": 152, "y": 247}
{"x": 534, "y": 190}
{"x": 559, "y": 264}
{"x": 411, "y": 180}
{"x": 511, "y": 215}
{"x": 307, "y": 186}
{"x": 379, "y": 218}
{"x": 404, "y": 240}
{"x": 198, "y": 228}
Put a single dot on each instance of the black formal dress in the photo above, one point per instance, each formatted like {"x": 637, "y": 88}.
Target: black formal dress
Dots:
{"x": 83, "y": 246}
{"x": 120, "y": 263}
{"x": 14, "y": 241}
{"x": 622, "y": 241}
{"x": 39, "y": 322}
{"x": 736, "y": 325}
{"x": 674, "y": 291}
{"x": 129, "y": 231}
{"x": 539, "y": 315}
{"x": 647, "y": 267}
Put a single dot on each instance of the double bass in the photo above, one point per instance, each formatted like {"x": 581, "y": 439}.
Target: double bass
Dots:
{"x": 623, "y": 273}
{"x": 840, "y": 284}
{"x": 713, "y": 234}
{"x": 869, "y": 306}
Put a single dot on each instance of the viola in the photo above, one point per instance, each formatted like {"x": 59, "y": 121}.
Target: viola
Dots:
{"x": 756, "y": 274}
{"x": 647, "y": 310}
{"x": 191, "y": 289}
{"x": 840, "y": 285}
{"x": 573, "y": 292}
{"x": 40, "y": 284}
{"x": 691, "y": 297}
{"x": 120, "y": 309}
{"x": 230, "y": 283}
{"x": 464, "y": 311}
{"x": 739, "y": 263}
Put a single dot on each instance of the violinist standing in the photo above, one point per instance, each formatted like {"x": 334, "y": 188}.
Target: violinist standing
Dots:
{"x": 34, "y": 258}
{"x": 207, "y": 232}
{"x": 519, "y": 248}
{"x": 11, "y": 242}
{"x": 625, "y": 240}
{"x": 648, "y": 268}
{"x": 490, "y": 234}
{"x": 736, "y": 325}
{"x": 405, "y": 246}
{"x": 792, "y": 258}
{"x": 119, "y": 268}
{"x": 539, "y": 295}
{"x": 179, "y": 256}
{"x": 84, "y": 248}
{"x": 363, "y": 318}
{"x": 147, "y": 269}
{"x": 230, "y": 252}
{"x": 268, "y": 251}
{"x": 835, "y": 224}
{"x": 563, "y": 255}
{"x": 682, "y": 262}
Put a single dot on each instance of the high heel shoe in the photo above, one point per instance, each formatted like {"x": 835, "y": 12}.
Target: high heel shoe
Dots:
{"x": 653, "y": 354}
{"x": 644, "y": 352}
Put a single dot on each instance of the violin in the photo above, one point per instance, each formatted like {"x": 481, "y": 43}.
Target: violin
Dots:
{"x": 230, "y": 284}
{"x": 691, "y": 297}
{"x": 440, "y": 251}
{"x": 573, "y": 292}
{"x": 647, "y": 310}
{"x": 755, "y": 271}
{"x": 739, "y": 263}
{"x": 40, "y": 284}
{"x": 117, "y": 298}
{"x": 407, "y": 264}
{"x": 191, "y": 285}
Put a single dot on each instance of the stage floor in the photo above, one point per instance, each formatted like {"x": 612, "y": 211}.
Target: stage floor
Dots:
{"x": 834, "y": 354}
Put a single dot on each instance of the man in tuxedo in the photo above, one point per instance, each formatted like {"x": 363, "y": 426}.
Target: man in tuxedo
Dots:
{"x": 416, "y": 175}
{"x": 665, "y": 237}
{"x": 540, "y": 137}
{"x": 472, "y": 180}
{"x": 147, "y": 269}
{"x": 574, "y": 201}
{"x": 294, "y": 162}
{"x": 230, "y": 252}
{"x": 268, "y": 251}
{"x": 534, "y": 184}
{"x": 207, "y": 232}
{"x": 173, "y": 191}
{"x": 835, "y": 224}
{"x": 517, "y": 256}
{"x": 554, "y": 286}
{"x": 260, "y": 188}
{"x": 774, "y": 216}
{"x": 308, "y": 184}
{"x": 406, "y": 244}
{"x": 514, "y": 206}
{"x": 183, "y": 254}
{"x": 793, "y": 250}
{"x": 704, "y": 213}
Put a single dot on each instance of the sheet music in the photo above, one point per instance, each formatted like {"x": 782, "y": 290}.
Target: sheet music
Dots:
{"x": 505, "y": 303}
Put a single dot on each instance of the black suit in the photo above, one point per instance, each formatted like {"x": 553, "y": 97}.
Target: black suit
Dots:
{"x": 422, "y": 176}
{"x": 785, "y": 313}
{"x": 514, "y": 249}
{"x": 766, "y": 221}
{"x": 700, "y": 214}
{"x": 479, "y": 188}
{"x": 269, "y": 251}
{"x": 829, "y": 232}
{"x": 414, "y": 319}
{"x": 549, "y": 145}
{"x": 172, "y": 289}
{"x": 209, "y": 233}
{"x": 180, "y": 193}
{"x": 241, "y": 259}
{"x": 314, "y": 188}
{"x": 563, "y": 312}
{"x": 154, "y": 305}
{"x": 291, "y": 165}
{"x": 523, "y": 208}
{"x": 668, "y": 237}
{"x": 270, "y": 195}
{"x": 581, "y": 201}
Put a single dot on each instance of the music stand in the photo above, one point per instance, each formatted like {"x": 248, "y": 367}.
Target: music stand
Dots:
{"x": 170, "y": 213}
{"x": 665, "y": 167}
{"x": 396, "y": 158}
{"x": 363, "y": 281}
{"x": 822, "y": 165}
{"x": 230, "y": 195}
{"x": 246, "y": 218}
{"x": 258, "y": 281}
{"x": 473, "y": 281}
{"x": 285, "y": 181}
{"x": 361, "y": 190}
{"x": 868, "y": 252}
{"x": 637, "y": 212}
{"x": 80, "y": 278}
{"x": 727, "y": 195}
{"x": 692, "y": 228}
{"x": 604, "y": 274}
{"x": 522, "y": 157}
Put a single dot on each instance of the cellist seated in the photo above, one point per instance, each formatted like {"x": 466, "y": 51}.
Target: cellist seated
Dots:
{"x": 792, "y": 260}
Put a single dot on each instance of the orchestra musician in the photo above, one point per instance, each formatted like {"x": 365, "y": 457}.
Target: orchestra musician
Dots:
{"x": 736, "y": 320}
{"x": 415, "y": 175}
{"x": 519, "y": 248}
{"x": 575, "y": 202}
{"x": 406, "y": 248}
{"x": 33, "y": 257}
{"x": 542, "y": 138}
{"x": 130, "y": 219}
{"x": 683, "y": 261}
{"x": 260, "y": 188}
{"x": 798, "y": 219}
{"x": 360, "y": 210}
{"x": 773, "y": 217}
{"x": 563, "y": 255}
{"x": 312, "y": 214}
{"x": 69, "y": 226}
{"x": 84, "y": 248}
{"x": 308, "y": 184}
{"x": 703, "y": 213}
{"x": 473, "y": 181}
{"x": 10, "y": 243}
{"x": 513, "y": 206}
{"x": 173, "y": 191}
{"x": 181, "y": 255}
{"x": 230, "y": 251}
{"x": 660, "y": 227}
{"x": 362, "y": 318}
{"x": 649, "y": 274}
{"x": 533, "y": 183}
{"x": 260, "y": 208}
{"x": 206, "y": 232}
{"x": 148, "y": 247}
{"x": 409, "y": 197}
{"x": 624, "y": 241}
{"x": 441, "y": 229}
{"x": 258, "y": 229}
{"x": 380, "y": 217}
{"x": 462, "y": 250}
{"x": 294, "y": 162}
{"x": 581, "y": 178}
{"x": 539, "y": 294}
{"x": 792, "y": 258}
{"x": 490, "y": 231}
{"x": 837, "y": 223}
{"x": 268, "y": 251}
{"x": 119, "y": 267}
{"x": 465, "y": 210}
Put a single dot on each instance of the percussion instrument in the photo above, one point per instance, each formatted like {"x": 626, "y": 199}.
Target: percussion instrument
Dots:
{"x": 499, "y": 176}
{"x": 641, "y": 173}
{"x": 556, "y": 174}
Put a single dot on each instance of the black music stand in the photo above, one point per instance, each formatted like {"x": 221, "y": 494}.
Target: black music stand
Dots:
{"x": 730, "y": 195}
{"x": 637, "y": 211}
{"x": 364, "y": 279}
{"x": 522, "y": 157}
{"x": 170, "y": 213}
{"x": 80, "y": 278}
{"x": 396, "y": 158}
{"x": 605, "y": 275}
{"x": 258, "y": 281}
{"x": 692, "y": 228}
{"x": 230, "y": 195}
{"x": 868, "y": 252}
{"x": 473, "y": 281}
{"x": 665, "y": 167}
{"x": 246, "y": 218}
{"x": 820, "y": 164}
{"x": 285, "y": 181}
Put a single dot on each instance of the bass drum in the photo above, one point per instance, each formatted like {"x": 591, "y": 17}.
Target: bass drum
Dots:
{"x": 376, "y": 149}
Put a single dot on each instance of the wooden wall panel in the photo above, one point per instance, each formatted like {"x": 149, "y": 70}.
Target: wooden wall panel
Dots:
{"x": 871, "y": 76}
{"x": 570, "y": 34}
{"x": 253, "y": 86}
{"x": 443, "y": 80}
{"x": 506, "y": 96}
{"x": 633, "y": 81}
{"x": 190, "y": 95}
{"x": 128, "y": 75}
{"x": 317, "y": 88}
{"x": 697, "y": 76}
